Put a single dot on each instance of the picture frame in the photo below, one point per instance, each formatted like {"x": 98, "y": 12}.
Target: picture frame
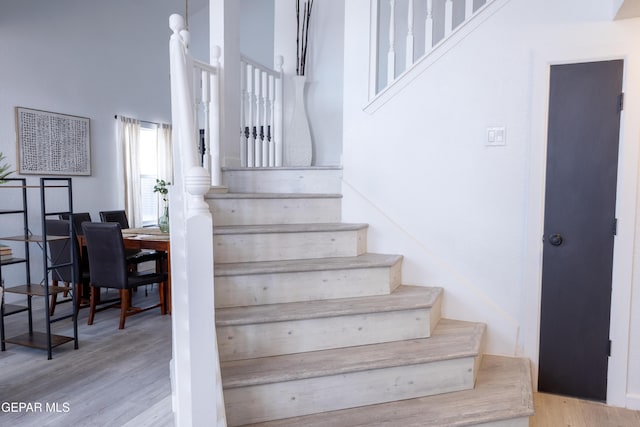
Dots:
{"x": 51, "y": 143}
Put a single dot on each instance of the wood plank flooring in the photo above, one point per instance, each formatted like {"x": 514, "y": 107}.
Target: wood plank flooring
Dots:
{"x": 560, "y": 411}
{"x": 121, "y": 378}
{"x": 110, "y": 380}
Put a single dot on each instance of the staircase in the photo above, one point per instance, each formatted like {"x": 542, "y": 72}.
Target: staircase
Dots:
{"x": 315, "y": 331}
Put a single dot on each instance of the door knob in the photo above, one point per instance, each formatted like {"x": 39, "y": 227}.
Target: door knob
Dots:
{"x": 556, "y": 239}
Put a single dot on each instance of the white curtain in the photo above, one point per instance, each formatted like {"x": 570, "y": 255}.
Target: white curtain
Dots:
{"x": 129, "y": 137}
{"x": 165, "y": 162}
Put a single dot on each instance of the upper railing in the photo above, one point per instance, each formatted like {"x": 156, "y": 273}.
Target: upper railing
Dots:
{"x": 206, "y": 96}
{"x": 409, "y": 30}
{"x": 196, "y": 381}
{"x": 261, "y": 114}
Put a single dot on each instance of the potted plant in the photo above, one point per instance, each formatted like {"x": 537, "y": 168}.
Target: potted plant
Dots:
{"x": 161, "y": 187}
{"x": 5, "y": 170}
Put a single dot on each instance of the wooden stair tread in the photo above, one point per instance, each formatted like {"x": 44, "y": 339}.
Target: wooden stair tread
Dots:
{"x": 502, "y": 392}
{"x": 282, "y": 168}
{"x": 451, "y": 339}
{"x": 236, "y": 195}
{"x": 286, "y": 228}
{"x": 403, "y": 298}
{"x": 368, "y": 260}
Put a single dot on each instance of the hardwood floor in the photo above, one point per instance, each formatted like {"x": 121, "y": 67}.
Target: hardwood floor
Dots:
{"x": 559, "y": 411}
{"x": 113, "y": 377}
{"x": 121, "y": 378}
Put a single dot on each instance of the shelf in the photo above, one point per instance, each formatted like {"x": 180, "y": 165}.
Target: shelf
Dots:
{"x": 38, "y": 340}
{"x": 34, "y": 290}
{"x": 34, "y": 238}
{"x": 10, "y": 261}
{"x": 10, "y": 309}
{"x": 10, "y": 211}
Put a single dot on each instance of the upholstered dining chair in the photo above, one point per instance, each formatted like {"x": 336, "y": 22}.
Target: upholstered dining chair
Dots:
{"x": 108, "y": 269}
{"x": 63, "y": 252}
{"x": 77, "y": 218}
{"x": 134, "y": 256}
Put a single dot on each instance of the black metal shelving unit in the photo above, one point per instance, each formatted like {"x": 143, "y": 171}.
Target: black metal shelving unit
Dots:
{"x": 32, "y": 338}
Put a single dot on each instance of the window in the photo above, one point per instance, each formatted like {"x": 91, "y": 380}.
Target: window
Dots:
{"x": 148, "y": 168}
{"x": 147, "y": 156}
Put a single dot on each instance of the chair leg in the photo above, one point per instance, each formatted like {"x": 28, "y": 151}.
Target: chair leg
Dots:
{"x": 92, "y": 304}
{"x": 125, "y": 302}
{"x": 161, "y": 291}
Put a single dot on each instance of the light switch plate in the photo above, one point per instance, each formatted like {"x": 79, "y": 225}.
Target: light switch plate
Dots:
{"x": 496, "y": 136}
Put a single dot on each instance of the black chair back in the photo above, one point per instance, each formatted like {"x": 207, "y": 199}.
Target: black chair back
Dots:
{"x": 77, "y": 218}
{"x": 115, "y": 216}
{"x": 63, "y": 251}
{"x": 107, "y": 262}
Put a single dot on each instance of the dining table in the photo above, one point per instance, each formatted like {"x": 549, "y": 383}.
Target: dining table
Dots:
{"x": 147, "y": 238}
{"x": 155, "y": 239}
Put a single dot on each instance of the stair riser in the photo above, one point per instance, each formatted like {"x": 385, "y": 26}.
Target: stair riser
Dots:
{"x": 273, "y": 288}
{"x": 251, "y": 211}
{"x": 288, "y": 246}
{"x": 294, "y": 398}
{"x": 288, "y": 337}
{"x": 315, "y": 181}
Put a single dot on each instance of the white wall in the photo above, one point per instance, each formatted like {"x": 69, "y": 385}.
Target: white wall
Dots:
{"x": 468, "y": 217}
{"x": 93, "y": 59}
{"x": 324, "y": 72}
{"x": 256, "y": 30}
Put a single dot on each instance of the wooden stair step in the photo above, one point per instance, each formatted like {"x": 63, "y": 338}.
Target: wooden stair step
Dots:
{"x": 274, "y": 208}
{"x": 267, "y": 330}
{"x": 286, "y": 228}
{"x": 271, "y": 242}
{"x": 368, "y": 260}
{"x": 270, "y": 196}
{"x": 450, "y": 339}
{"x": 317, "y": 179}
{"x": 502, "y": 397}
{"x": 404, "y": 298}
{"x": 291, "y": 385}
{"x": 273, "y": 282}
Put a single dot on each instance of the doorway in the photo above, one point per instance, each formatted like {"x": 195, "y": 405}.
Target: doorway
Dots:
{"x": 579, "y": 227}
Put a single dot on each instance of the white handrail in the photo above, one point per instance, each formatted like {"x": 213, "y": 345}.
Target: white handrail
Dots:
{"x": 261, "y": 114}
{"x": 195, "y": 368}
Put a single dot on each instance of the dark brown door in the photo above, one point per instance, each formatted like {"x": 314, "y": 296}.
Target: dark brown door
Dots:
{"x": 579, "y": 224}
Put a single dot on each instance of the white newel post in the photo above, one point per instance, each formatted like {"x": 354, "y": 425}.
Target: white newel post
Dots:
{"x": 214, "y": 119}
{"x": 195, "y": 369}
{"x": 278, "y": 116}
{"x": 409, "y": 58}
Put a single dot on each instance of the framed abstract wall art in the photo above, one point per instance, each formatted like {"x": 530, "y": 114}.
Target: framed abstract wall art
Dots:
{"x": 52, "y": 143}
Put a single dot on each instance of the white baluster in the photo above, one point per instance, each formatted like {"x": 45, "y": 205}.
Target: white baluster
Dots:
{"x": 250, "y": 118}
{"x": 243, "y": 114}
{"x": 448, "y": 17}
{"x": 271, "y": 121}
{"x": 277, "y": 114}
{"x": 428, "y": 28}
{"x": 264, "y": 122}
{"x": 468, "y": 9}
{"x": 391, "y": 56}
{"x": 257, "y": 116}
{"x": 409, "y": 58}
{"x": 214, "y": 118}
